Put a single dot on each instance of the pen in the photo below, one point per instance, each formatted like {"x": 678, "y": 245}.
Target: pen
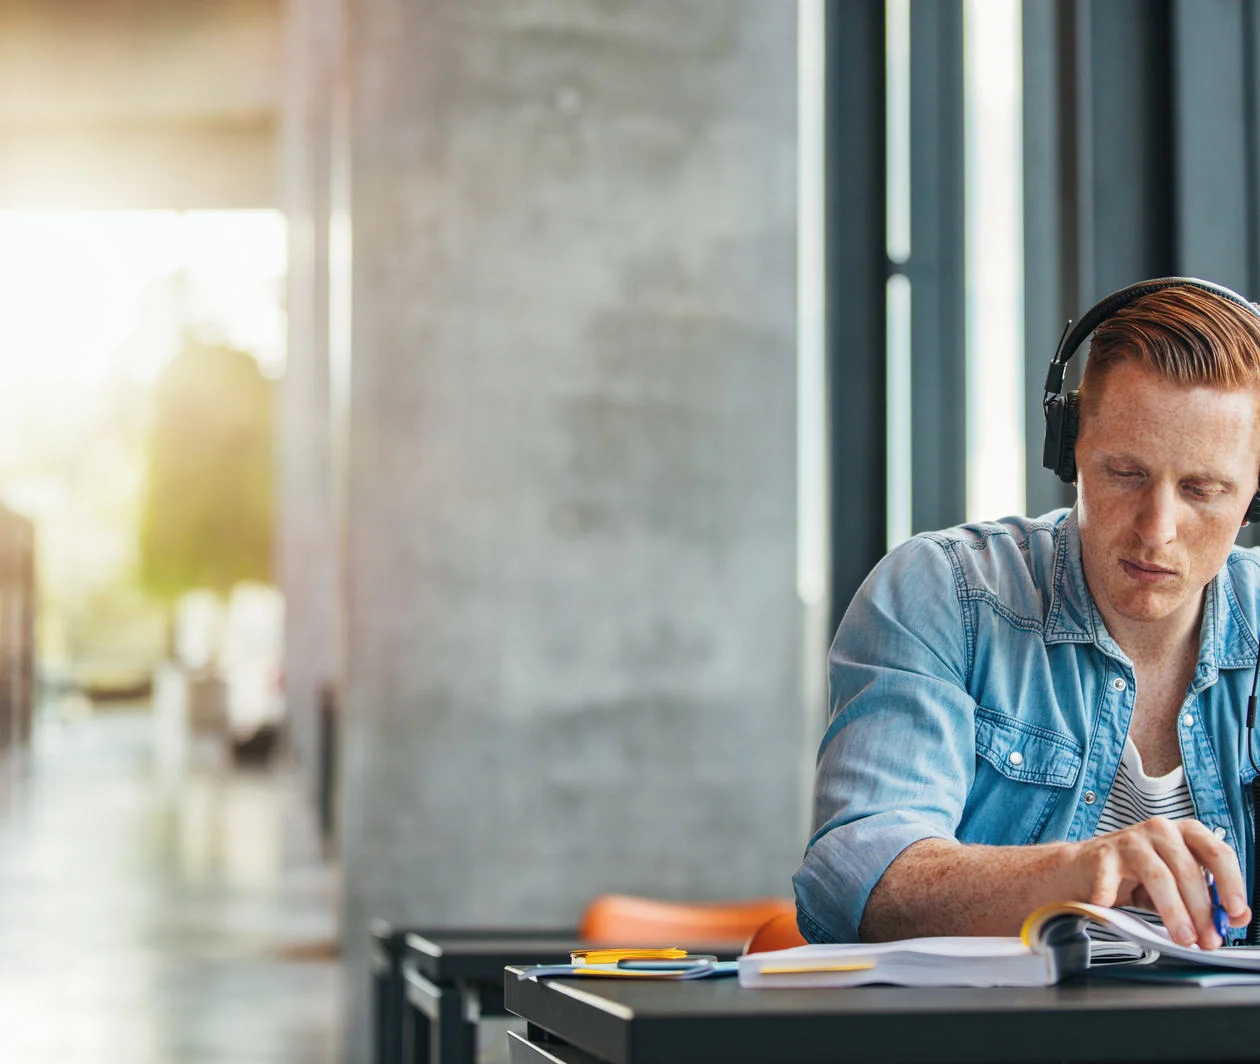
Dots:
{"x": 693, "y": 960}
{"x": 1220, "y": 919}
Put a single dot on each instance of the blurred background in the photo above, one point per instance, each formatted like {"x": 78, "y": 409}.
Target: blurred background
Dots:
{"x": 438, "y": 439}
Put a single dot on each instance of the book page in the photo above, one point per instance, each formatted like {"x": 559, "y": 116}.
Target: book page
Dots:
{"x": 1139, "y": 931}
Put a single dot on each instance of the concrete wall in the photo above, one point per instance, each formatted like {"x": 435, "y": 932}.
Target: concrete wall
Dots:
{"x": 572, "y": 630}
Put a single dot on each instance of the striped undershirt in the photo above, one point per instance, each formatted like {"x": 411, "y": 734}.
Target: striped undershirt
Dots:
{"x": 1135, "y": 797}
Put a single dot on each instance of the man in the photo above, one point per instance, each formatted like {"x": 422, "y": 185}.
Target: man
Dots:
{"x": 1011, "y": 701}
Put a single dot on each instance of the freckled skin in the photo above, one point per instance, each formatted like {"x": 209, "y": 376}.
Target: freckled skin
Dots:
{"x": 1165, "y": 474}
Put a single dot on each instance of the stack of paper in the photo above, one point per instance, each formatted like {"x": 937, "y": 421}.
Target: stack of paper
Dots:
{"x": 909, "y": 962}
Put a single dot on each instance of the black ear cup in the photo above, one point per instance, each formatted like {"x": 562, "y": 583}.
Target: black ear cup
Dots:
{"x": 1062, "y": 422}
{"x": 1059, "y": 451}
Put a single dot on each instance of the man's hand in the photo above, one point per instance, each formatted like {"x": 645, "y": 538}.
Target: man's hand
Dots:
{"x": 1158, "y": 865}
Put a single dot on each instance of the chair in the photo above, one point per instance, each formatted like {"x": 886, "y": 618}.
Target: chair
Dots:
{"x": 630, "y": 920}
{"x": 779, "y": 932}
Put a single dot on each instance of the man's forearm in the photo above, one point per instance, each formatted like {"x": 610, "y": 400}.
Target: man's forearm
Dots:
{"x": 942, "y": 887}
{"x": 937, "y": 887}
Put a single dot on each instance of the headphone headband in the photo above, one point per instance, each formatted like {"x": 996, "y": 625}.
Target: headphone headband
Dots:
{"x": 1062, "y": 411}
{"x": 1074, "y": 336}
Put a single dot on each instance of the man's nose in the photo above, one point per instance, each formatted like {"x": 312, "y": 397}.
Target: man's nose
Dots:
{"x": 1157, "y": 516}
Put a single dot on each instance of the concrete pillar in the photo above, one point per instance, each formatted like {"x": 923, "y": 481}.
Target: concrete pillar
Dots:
{"x": 572, "y": 628}
{"x": 307, "y": 542}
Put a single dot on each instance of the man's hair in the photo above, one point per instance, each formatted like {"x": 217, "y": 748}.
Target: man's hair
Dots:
{"x": 1184, "y": 334}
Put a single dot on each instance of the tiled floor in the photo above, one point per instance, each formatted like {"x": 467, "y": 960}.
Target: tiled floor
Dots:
{"x": 159, "y": 915}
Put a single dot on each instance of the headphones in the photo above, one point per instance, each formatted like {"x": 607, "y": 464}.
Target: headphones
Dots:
{"x": 1063, "y": 411}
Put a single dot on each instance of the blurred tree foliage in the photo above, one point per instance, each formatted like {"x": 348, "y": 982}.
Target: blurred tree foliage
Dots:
{"x": 209, "y": 509}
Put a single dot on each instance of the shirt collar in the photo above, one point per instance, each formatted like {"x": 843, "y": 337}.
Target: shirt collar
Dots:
{"x": 1073, "y": 617}
{"x": 1234, "y": 641}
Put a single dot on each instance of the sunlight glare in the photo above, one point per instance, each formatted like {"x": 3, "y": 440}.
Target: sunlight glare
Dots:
{"x": 84, "y": 293}
{"x": 66, "y": 302}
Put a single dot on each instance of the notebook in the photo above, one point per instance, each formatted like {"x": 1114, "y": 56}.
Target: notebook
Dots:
{"x": 1053, "y": 945}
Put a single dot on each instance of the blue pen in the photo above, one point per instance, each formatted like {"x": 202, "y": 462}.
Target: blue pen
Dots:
{"x": 1220, "y": 919}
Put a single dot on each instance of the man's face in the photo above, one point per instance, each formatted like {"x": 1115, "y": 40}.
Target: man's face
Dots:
{"x": 1164, "y": 476}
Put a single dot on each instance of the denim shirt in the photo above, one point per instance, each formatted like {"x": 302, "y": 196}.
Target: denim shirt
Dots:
{"x": 976, "y": 695}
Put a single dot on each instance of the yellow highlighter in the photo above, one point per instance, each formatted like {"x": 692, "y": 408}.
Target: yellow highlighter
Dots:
{"x": 613, "y": 956}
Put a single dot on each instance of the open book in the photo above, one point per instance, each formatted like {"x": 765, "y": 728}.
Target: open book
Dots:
{"x": 1053, "y": 944}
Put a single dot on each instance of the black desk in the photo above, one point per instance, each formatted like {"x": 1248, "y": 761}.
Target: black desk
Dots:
{"x": 430, "y": 985}
{"x": 594, "y": 1021}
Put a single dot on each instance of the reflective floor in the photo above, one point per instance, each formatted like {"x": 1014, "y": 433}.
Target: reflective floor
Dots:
{"x": 158, "y": 913}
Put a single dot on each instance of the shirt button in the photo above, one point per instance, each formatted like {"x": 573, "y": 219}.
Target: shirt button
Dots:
{"x": 1118, "y": 683}
{"x": 1089, "y": 797}
{"x": 1015, "y": 757}
{"x": 1219, "y": 832}
{"x": 1188, "y": 720}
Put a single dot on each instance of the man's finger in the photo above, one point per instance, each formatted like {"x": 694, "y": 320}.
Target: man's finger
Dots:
{"x": 1219, "y": 859}
{"x": 1152, "y": 871}
{"x": 1173, "y": 848}
{"x": 1107, "y": 880}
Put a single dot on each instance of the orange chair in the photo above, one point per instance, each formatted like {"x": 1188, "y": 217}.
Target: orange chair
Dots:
{"x": 779, "y": 932}
{"x": 629, "y": 920}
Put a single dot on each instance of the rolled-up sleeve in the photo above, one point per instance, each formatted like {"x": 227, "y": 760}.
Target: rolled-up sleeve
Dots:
{"x": 898, "y": 758}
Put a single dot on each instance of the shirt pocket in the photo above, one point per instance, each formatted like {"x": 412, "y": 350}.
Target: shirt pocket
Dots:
{"x": 1026, "y": 752}
{"x": 1031, "y": 768}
